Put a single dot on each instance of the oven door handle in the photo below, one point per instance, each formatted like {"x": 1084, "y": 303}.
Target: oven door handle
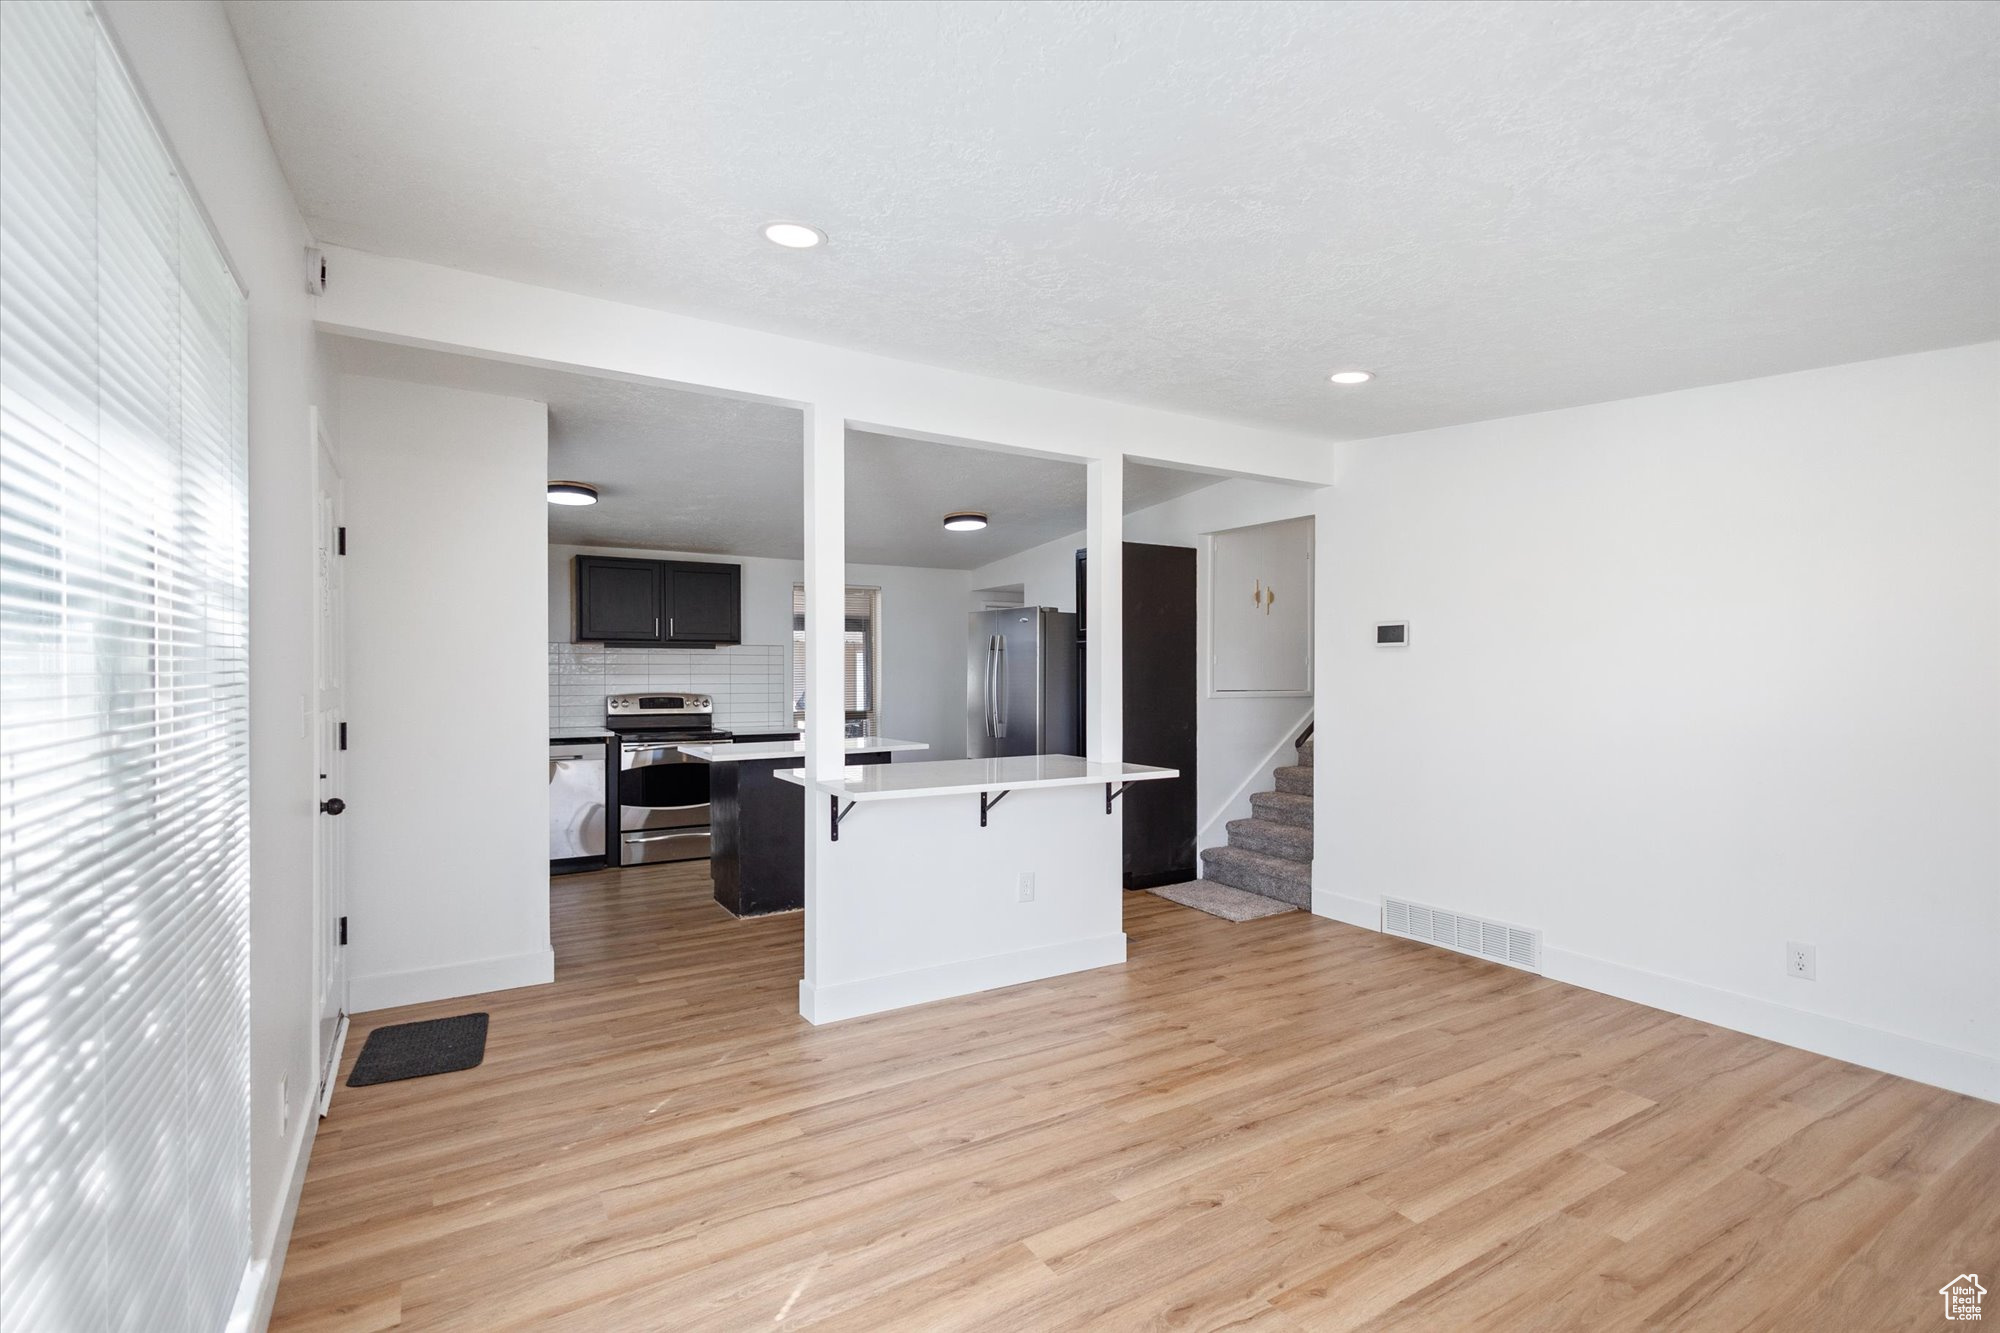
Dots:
{"x": 667, "y": 754}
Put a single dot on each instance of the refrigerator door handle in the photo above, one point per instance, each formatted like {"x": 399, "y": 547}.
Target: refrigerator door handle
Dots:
{"x": 991, "y": 715}
{"x": 1000, "y": 686}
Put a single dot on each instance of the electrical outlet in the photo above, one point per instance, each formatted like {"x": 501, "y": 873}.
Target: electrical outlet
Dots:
{"x": 1026, "y": 890}
{"x": 1799, "y": 960}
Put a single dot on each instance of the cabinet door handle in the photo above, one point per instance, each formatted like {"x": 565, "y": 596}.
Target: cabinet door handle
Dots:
{"x": 656, "y": 627}
{"x": 670, "y": 627}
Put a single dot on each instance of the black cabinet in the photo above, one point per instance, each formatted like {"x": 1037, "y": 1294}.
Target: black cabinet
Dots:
{"x": 1161, "y": 690}
{"x": 692, "y": 603}
{"x": 704, "y": 603}
{"x": 618, "y": 601}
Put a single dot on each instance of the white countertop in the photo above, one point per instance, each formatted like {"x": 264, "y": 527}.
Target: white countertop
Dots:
{"x": 733, "y": 752}
{"x": 948, "y": 777}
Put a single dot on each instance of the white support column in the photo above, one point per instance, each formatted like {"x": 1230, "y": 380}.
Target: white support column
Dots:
{"x": 826, "y": 618}
{"x": 1104, "y": 673}
{"x": 826, "y": 591}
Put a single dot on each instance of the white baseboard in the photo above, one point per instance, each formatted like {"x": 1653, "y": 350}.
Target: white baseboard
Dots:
{"x": 1947, "y": 1067}
{"x": 259, "y": 1289}
{"x": 1354, "y": 911}
{"x": 897, "y": 990}
{"x": 1963, "y": 1071}
{"x": 329, "y": 1067}
{"x": 390, "y": 990}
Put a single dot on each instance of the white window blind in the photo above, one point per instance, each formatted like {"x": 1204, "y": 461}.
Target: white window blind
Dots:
{"x": 124, "y": 932}
{"x": 861, "y": 670}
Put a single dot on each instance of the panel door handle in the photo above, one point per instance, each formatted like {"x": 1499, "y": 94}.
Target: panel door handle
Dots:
{"x": 332, "y": 806}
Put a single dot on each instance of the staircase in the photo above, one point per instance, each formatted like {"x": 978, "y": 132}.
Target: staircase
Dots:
{"x": 1271, "y": 852}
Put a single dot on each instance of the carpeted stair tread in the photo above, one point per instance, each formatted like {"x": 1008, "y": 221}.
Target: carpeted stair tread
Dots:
{"x": 1306, "y": 753}
{"x": 1283, "y": 807}
{"x": 1272, "y": 839}
{"x": 1298, "y": 781}
{"x": 1254, "y": 872}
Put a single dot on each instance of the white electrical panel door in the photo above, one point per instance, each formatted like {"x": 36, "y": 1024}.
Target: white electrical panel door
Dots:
{"x": 1260, "y": 609}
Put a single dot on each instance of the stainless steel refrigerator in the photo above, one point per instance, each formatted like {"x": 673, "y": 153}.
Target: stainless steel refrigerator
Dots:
{"x": 1021, "y": 683}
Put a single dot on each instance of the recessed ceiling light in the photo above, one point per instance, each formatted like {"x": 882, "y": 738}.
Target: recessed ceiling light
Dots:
{"x": 966, "y": 521}
{"x": 793, "y": 235}
{"x": 571, "y": 493}
{"x": 1351, "y": 376}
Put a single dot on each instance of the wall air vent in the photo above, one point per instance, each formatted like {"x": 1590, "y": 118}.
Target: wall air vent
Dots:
{"x": 1494, "y": 940}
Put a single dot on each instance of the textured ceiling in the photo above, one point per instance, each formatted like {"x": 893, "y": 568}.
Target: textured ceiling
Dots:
{"x": 1500, "y": 207}
{"x": 683, "y": 471}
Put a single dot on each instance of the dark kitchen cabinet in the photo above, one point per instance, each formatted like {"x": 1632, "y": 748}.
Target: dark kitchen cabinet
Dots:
{"x": 1161, "y": 690}
{"x": 704, "y": 603}
{"x": 618, "y": 601}
{"x": 691, "y": 603}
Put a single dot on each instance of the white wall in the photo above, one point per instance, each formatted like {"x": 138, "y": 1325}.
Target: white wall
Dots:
{"x": 1046, "y": 573}
{"x": 184, "y": 58}
{"x": 447, "y": 697}
{"x": 923, "y": 632}
{"x": 1238, "y": 740}
{"x": 1691, "y": 676}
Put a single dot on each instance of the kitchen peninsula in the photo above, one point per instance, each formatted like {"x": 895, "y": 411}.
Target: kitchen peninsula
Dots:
{"x": 757, "y": 838}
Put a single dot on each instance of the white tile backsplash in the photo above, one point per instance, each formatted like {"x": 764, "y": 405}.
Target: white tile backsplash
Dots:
{"x": 749, "y": 681}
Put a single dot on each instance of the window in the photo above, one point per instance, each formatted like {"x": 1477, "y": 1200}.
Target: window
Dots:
{"x": 124, "y": 875}
{"x": 863, "y": 668}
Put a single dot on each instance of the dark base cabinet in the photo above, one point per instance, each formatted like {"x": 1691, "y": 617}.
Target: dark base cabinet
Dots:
{"x": 757, "y": 843}
{"x": 1161, "y": 689}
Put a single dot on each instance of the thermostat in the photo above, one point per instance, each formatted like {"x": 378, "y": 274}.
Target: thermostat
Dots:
{"x": 1392, "y": 634}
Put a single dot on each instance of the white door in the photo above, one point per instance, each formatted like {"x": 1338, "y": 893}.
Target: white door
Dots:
{"x": 1260, "y": 609}
{"x": 329, "y": 763}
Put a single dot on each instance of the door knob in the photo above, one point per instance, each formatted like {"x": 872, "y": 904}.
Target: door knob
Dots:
{"x": 333, "y": 806}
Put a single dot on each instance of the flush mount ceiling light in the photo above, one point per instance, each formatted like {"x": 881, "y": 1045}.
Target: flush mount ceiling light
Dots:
{"x": 793, "y": 235}
{"x": 571, "y": 493}
{"x": 1351, "y": 376}
{"x": 965, "y": 521}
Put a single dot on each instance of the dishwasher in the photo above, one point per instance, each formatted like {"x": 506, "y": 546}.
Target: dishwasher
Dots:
{"x": 576, "y": 806}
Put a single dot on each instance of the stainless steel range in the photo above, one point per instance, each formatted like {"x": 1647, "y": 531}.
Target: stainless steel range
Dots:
{"x": 662, "y": 793}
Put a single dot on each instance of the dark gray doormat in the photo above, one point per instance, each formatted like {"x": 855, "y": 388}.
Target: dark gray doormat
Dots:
{"x": 414, "y": 1050}
{"x": 1231, "y": 904}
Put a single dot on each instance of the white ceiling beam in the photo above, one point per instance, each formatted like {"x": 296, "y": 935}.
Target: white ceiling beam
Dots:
{"x": 403, "y": 301}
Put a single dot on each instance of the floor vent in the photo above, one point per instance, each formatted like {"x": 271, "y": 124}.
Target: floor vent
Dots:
{"x": 1495, "y": 940}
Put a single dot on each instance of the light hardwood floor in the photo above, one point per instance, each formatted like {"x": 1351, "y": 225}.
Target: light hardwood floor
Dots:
{"x": 1281, "y": 1125}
